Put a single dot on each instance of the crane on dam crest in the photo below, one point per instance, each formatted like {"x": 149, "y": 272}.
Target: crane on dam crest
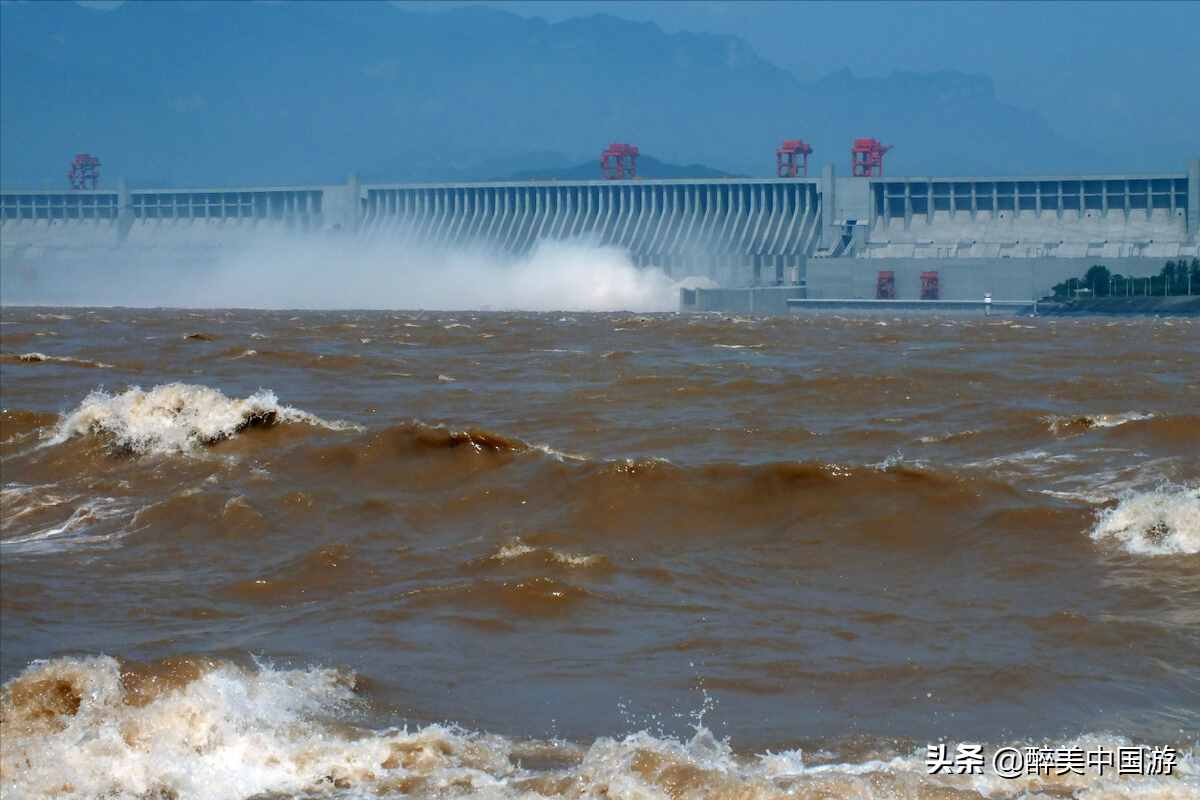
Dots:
{"x": 619, "y": 161}
{"x": 866, "y": 158}
{"x": 791, "y": 159}
{"x": 84, "y": 172}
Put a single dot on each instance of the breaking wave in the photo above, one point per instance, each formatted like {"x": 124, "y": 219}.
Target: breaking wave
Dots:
{"x": 1164, "y": 521}
{"x": 176, "y": 417}
{"x": 201, "y": 728}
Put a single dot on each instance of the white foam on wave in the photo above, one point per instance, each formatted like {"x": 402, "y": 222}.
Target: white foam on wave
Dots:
{"x": 177, "y": 417}
{"x": 898, "y": 461}
{"x": 558, "y": 455}
{"x": 1034, "y": 462}
{"x": 1107, "y": 485}
{"x": 515, "y": 548}
{"x": 221, "y": 736}
{"x": 1162, "y": 521}
{"x": 77, "y": 727}
{"x": 1059, "y": 424}
{"x": 95, "y": 521}
{"x": 948, "y": 437}
{"x": 48, "y": 518}
{"x": 42, "y": 358}
{"x": 18, "y": 500}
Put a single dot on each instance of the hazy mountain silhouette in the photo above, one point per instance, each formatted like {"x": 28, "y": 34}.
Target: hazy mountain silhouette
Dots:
{"x": 241, "y": 93}
{"x": 647, "y": 167}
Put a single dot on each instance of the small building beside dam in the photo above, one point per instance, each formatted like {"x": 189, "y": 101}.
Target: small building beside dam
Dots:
{"x": 829, "y": 236}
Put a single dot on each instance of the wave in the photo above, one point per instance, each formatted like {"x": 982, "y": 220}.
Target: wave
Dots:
{"x": 1066, "y": 425}
{"x": 204, "y": 728}
{"x": 518, "y": 550}
{"x": 527, "y": 598}
{"x": 20, "y": 500}
{"x": 176, "y": 417}
{"x": 42, "y": 358}
{"x": 1177, "y": 430}
{"x": 1165, "y": 521}
{"x": 952, "y": 436}
{"x": 396, "y": 445}
{"x": 625, "y": 499}
{"x": 303, "y": 360}
{"x": 16, "y": 425}
{"x": 41, "y": 526}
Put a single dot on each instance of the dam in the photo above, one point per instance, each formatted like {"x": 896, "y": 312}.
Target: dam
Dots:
{"x": 829, "y": 236}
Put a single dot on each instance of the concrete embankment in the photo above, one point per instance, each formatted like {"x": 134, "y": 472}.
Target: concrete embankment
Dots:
{"x": 1182, "y": 305}
{"x": 791, "y": 300}
{"x": 861, "y": 306}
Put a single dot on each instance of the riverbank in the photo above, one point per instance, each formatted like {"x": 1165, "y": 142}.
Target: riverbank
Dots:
{"x": 1177, "y": 305}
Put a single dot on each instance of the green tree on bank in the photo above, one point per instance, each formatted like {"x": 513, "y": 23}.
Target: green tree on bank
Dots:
{"x": 1175, "y": 278}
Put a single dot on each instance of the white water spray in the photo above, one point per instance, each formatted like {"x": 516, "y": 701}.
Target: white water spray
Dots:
{"x": 325, "y": 272}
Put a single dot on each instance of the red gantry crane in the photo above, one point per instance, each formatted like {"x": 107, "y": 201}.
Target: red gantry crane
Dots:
{"x": 786, "y": 165}
{"x": 619, "y": 161}
{"x": 84, "y": 172}
{"x": 866, "y": 158}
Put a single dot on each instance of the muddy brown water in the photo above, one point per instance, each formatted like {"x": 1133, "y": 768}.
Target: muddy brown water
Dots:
{"x": 844, "y": 537}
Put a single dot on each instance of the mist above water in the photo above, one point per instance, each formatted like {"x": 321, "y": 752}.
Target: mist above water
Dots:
{"x": 287, "y": 272}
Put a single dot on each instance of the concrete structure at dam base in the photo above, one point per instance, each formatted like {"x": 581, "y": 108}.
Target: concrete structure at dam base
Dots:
{"x": 826, "y": 237}
{"x": 767, "y": 300}
{"x": 748, "y": 300}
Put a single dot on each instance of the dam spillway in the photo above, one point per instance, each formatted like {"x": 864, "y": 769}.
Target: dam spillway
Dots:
{"x": 763, "y": 226}
{"x": 1013, "y": 236}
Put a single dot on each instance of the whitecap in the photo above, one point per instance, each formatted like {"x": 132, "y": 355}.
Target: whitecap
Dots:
{"x": 176, "y": 417}
{"x": 1163, "y": 521}
{"x": 230, "y": 732}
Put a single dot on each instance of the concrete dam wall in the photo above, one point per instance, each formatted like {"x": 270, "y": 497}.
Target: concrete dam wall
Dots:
{"x": 737, "y": 231}
{"x": 1013, "y": 236}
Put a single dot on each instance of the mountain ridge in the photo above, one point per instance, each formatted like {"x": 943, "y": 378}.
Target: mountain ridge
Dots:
{"x": 311, "y": 93}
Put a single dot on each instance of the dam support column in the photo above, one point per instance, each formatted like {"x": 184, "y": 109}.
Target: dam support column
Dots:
{"x": 829, "y": 231}
{"x": 352, "y": 215}
{"x": 124, "y": 211}
{"x": 1193, "y": 211}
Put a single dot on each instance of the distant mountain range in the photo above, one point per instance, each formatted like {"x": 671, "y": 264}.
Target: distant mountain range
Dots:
{"x": 245, "y": 93}
{"x": 536, "y": 166}
{"x": 647, "y": 167}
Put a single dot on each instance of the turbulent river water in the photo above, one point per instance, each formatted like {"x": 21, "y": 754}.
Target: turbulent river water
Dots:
{"x": 375, "y": 554}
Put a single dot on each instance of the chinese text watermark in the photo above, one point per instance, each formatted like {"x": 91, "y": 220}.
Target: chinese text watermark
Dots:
{"x": 1014, "y": 762}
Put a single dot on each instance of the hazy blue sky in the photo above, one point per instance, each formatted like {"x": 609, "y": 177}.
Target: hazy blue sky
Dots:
{"x": 1107, "y": 72}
